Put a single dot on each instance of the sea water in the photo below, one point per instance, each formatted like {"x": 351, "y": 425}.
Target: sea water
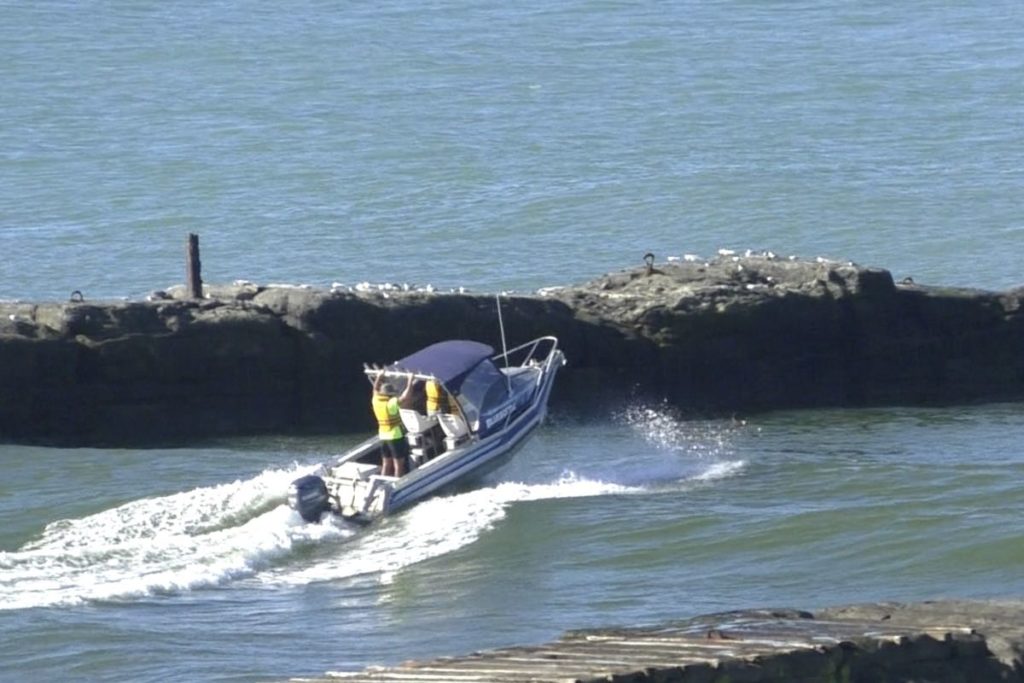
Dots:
{"x": 188, "y": 565}
{"x": 499, "y": 147}
{"x": 503, "y": 147}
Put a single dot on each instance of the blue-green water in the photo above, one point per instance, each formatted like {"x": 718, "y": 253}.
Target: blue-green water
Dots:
{"x": 497, "y": 147}
{"x": 187, "y": 565}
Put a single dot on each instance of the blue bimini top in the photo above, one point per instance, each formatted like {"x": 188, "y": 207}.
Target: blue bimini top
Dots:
{"x": 449, "y": 361}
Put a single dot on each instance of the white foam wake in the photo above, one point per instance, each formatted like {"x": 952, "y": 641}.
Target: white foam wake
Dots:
{"x": 721, "y": 470}
{"x": 202, "y": 537}
{"x": 244, "y": 531}
{"x": 433, "y": 528}
{"x": 663, "y": 429}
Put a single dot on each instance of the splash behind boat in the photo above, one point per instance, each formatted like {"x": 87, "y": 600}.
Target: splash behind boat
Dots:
{"x": 498, "y": 402}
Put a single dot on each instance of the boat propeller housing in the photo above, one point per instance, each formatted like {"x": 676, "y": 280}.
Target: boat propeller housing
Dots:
{"x": 308, "y": 497}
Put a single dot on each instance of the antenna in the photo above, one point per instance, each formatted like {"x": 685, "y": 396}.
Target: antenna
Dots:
{"x": 504, "y": 347}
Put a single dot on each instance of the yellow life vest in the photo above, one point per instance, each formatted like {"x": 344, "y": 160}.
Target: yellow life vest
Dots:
{"x": 437, "y": 397}
{"x": 385, "y": 409}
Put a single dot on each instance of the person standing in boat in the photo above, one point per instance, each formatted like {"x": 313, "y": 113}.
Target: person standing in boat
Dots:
{"x": 386, "y": 403}
{"x": 439, "y": 400}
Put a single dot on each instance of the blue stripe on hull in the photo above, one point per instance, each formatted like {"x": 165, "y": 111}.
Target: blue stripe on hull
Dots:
{"x": 484, "y": 456}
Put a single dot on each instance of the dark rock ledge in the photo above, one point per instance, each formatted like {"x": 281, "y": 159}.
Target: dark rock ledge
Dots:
{"x": 737, "y": 334}
{"x": 933, "y": 642}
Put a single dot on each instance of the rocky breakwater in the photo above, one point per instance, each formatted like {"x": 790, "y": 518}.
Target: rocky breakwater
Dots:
{"x": 742, "y": 333}
{"x": 244, "y": 359}
{"x": 730, "y": 334}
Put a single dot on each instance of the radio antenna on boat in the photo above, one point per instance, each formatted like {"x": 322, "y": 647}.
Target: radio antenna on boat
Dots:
{"x": 504, "y": 346}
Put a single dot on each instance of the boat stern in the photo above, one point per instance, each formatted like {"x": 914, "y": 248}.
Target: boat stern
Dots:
{"x": 357, "y": 491}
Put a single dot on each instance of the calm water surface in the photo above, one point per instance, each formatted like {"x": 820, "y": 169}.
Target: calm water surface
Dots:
{"x": 503, "y": 147}
{"x": 499, "y": 147}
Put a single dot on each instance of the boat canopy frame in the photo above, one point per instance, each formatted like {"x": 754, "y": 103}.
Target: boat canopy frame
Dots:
{"x": 448, "y": 362}
{"x": 452, "y": 361}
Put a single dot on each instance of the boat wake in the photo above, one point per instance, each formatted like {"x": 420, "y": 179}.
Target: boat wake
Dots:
{"x": 662, "y": 452}
{"x": 435, "y": 527}
{"x": 663, "y": 430}
{"x": 243, "y": 533}
{"x": 154, "y": 546}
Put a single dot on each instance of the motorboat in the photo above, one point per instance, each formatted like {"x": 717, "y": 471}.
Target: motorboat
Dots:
{"x": 498, "y": 401}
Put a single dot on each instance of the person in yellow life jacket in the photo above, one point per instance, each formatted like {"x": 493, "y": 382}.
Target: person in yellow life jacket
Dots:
{"x": 385, "y": 403}
{"x": 439, "y": 400}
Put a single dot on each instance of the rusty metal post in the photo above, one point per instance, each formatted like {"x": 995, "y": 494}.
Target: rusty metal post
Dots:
{"x": 194, "y": 268}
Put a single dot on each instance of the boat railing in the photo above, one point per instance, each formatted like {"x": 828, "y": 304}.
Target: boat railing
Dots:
{"x": 372, "y": 371}
{"x": 529, "y": 352}
{"x": 538, "y": 353}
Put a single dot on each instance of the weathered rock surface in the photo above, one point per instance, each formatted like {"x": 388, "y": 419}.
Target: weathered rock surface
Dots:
{"x": 747, "y": 333}
{"x": 734, "y": 334}
{"x": 935, "y": 642}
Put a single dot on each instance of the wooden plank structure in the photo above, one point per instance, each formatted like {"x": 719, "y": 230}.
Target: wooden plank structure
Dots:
{"x": 770, "y": 646}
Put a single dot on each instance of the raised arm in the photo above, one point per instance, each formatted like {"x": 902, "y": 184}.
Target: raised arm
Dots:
{"x": 403, "y": 400}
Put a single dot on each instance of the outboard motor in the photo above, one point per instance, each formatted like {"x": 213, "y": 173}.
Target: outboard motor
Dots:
{"x": 308, "y": 497}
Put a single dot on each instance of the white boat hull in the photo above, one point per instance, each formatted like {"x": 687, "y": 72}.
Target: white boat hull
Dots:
{"x": 354, "y": 489}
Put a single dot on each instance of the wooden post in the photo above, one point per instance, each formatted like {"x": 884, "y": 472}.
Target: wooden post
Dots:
{"x": 194, "y": 268}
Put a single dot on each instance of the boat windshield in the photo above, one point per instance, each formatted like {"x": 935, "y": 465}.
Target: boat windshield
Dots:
{"x": 484, "y": 387}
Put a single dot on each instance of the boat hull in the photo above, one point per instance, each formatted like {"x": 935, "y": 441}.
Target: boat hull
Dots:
{"x": 357, "y": 493}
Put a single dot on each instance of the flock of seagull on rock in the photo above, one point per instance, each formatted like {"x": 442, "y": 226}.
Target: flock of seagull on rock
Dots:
{"x": 386, "y": 288}
{"x": 747, "y": 253}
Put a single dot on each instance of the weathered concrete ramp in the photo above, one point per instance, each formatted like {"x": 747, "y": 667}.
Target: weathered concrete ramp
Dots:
{"x": 888, "y": 643}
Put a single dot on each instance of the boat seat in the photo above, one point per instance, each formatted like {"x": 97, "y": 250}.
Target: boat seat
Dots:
{"x": 455, "y": 429}
{"x": 415, "y": 422}
{"x": 419, "y": 430}
{"x": 355, "y": 470}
